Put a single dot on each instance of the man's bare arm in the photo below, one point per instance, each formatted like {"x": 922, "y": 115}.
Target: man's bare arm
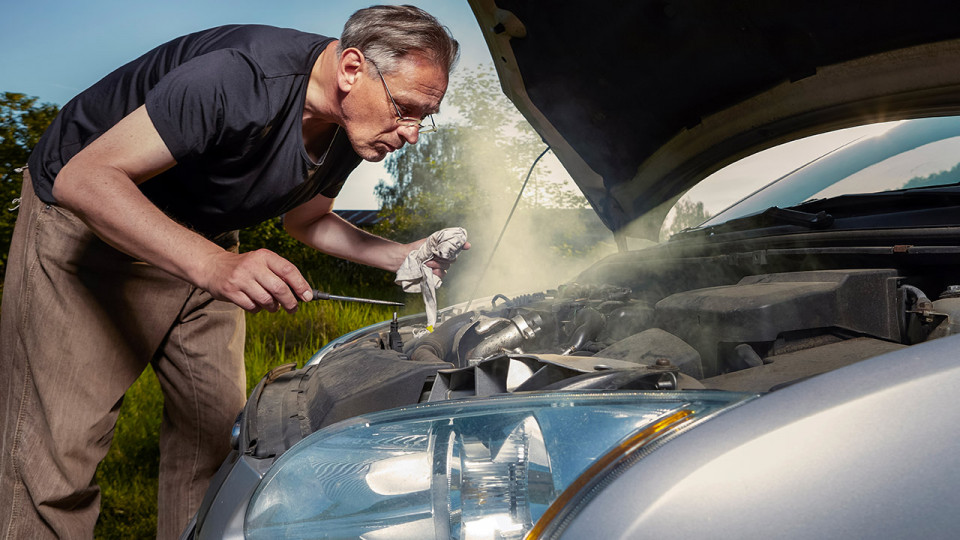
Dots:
{"x": 315, "y": 224}
{"x": 99, "y": 185}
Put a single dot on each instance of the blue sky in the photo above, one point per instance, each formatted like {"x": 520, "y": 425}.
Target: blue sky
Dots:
{"x": 53, "y": 49}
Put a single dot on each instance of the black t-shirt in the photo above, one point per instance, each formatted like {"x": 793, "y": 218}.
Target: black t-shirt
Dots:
{"x": 228, "y": 104}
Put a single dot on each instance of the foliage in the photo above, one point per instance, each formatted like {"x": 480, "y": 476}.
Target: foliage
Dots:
{"x": 941, "y": 178}
{"x": 128, "y": 475}
{"x": 468, "y": 167}
{"x": 687, "y": 214}
{"x": 432, "y": 188}
{"x": 22, "y": 122}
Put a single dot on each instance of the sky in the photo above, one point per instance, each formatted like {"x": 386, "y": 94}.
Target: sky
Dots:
{"x": 758, "y": 170}
{"x": 54, "y": 49}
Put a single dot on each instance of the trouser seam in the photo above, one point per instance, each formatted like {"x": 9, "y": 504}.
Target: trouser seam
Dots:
{"x": 19, "y": 487}
{"x": 30, "y": 249}
{"x": 15, "y": 465}
{"x": 196, "y": 408}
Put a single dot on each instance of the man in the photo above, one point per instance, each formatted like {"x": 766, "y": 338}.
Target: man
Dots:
{"x": 125, "y": 248}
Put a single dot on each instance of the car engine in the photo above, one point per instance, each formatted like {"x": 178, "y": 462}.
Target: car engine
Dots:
{"x": 669, "y": 326}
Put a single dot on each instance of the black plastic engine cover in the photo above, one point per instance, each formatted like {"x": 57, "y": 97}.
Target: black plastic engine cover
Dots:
{"x": 356, "y": 380}
{"x": 761, "y": 308}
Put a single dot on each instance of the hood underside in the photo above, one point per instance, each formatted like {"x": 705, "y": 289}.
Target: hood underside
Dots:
{"x": 641, "y": 100}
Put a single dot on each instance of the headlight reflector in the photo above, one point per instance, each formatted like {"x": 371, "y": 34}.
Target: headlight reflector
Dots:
{"x": 467, "y": 469}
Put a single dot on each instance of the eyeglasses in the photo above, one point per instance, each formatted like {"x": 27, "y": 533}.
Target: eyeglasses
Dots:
{"x": 406, "y": 121}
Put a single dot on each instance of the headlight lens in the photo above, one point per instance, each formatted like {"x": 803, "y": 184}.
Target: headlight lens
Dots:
{"x": 469, "y": 469}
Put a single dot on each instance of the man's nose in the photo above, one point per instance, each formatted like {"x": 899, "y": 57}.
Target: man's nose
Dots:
{"x": 410, "y": 134}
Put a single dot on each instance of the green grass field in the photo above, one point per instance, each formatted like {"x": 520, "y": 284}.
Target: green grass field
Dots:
{"x": 128, "y": 475}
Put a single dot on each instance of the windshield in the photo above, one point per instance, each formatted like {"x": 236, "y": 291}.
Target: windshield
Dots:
{"x": 908, "y": 154}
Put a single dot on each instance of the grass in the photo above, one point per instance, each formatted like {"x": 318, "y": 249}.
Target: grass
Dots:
{"x": 128, "y": 475}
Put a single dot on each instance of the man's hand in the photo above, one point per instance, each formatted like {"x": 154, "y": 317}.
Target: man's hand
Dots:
{"x": 255, "y": 280}
{"x": 439, "y": 266}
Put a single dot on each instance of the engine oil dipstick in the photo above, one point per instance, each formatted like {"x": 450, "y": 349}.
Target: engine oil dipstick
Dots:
{"x": 318, "y": 295}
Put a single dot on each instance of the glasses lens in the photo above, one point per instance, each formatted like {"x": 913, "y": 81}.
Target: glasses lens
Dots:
{"x": 428, "y": 129}
{"x": 421, "y": 126}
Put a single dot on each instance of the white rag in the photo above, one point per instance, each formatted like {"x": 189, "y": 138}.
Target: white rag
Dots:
{"x": 414, "y": 274}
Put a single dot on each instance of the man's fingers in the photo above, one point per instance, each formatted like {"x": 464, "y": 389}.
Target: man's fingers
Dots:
{"x": 441, "y": 264}
{"x": 258, "y": 280}
{"x": 241, "y": 299}
{"x": 292, "y": 279}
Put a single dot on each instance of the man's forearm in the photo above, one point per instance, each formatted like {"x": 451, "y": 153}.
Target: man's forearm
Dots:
{"x": 335, "y": 236}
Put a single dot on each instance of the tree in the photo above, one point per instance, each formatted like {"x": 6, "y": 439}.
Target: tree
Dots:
{"x": 22, "y": 122}
{"x": 942, "y": 178}
{"x": 474, "y": 164}
{"x": 469, "y": 173}
{"x": 687, "y": 214}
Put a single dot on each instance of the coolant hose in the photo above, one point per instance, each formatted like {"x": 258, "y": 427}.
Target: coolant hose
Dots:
{"x": 920, "y": 301}
{"x": 588, "y": 323}
{"x": 435, "y": 346}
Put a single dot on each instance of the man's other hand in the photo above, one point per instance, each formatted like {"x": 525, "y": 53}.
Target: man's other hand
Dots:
{"x": 440, "y": 266}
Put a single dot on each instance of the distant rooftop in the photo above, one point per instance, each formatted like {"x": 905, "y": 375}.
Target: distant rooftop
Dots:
{"x": 360, "y": 218}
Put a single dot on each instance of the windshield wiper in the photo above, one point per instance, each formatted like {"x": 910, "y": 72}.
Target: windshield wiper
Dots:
{"x": 943, "y": 195}
{"x": 769, "y": 217}
{"x": 820, "y": 220}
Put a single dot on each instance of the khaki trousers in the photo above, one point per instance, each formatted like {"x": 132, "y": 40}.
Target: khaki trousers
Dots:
{"x": 80, "y": 321}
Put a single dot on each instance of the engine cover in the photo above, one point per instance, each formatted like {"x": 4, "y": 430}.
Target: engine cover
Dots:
{"x": 761, "y": 308}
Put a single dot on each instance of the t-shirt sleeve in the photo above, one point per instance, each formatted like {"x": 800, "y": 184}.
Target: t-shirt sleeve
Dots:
{"x": 210, "y": 104}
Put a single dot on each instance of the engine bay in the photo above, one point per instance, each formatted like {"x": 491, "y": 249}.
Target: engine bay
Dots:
{"x": 706, "y": 323}
{"x": 754, "y": 335}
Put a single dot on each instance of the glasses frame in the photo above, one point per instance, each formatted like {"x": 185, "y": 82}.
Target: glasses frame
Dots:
{"x": 405, "y": 121}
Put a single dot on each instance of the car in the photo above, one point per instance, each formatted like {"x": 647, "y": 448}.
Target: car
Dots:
{"x": 784, "y": 369}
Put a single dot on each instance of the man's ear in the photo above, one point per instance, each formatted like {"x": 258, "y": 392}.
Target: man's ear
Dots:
{"x": 349, "y": 68}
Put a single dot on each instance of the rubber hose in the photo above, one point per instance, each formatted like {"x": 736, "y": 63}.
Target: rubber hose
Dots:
{"x": 436, "y": 346}
{"x": 589, "y": 322}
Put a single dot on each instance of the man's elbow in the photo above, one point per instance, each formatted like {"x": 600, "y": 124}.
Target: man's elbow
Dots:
{"x": 292, "y": 227}
{"x": 297, "y": 227}
{"x": 66, "y": 189}
{"x": 298, "y": 223}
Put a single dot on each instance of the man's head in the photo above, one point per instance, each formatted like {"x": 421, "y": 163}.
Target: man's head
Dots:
{"x": 391, "y": 57}
{"x": 385, "y": 34}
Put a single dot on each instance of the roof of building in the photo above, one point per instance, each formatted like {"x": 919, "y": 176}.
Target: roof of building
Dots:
{"x": 360, "y": 218}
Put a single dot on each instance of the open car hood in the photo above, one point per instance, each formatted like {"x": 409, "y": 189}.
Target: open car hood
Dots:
{"x": 641, "y": 100}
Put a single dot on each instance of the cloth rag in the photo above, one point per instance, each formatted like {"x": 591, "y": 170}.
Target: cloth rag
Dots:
{"x": 414, "y": 274}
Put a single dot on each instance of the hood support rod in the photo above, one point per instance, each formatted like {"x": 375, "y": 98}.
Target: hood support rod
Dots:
{"x": 509, "y": 217}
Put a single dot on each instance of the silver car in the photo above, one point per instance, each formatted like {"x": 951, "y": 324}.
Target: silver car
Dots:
{"x": 785, "y": 369}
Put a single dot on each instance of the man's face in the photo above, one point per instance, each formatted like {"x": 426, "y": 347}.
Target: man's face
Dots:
{"x": 370, "y": 118}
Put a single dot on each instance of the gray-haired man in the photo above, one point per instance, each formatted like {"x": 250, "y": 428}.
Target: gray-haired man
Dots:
{"x": 125, "y": 253}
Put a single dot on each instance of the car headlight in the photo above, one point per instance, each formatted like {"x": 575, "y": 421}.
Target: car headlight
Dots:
{"x": 467, "y": 469}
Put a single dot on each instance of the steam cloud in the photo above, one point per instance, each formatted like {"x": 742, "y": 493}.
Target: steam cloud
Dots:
{"x": 543, "y": 245}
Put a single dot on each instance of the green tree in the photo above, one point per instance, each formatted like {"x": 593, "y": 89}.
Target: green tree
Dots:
{"x": 687, "y": 214}
{"x": 468, "y": 167}
{"x": 22, "y": 122}
{"x": 468, "y": 174}
{"x": 942, "y": 178}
